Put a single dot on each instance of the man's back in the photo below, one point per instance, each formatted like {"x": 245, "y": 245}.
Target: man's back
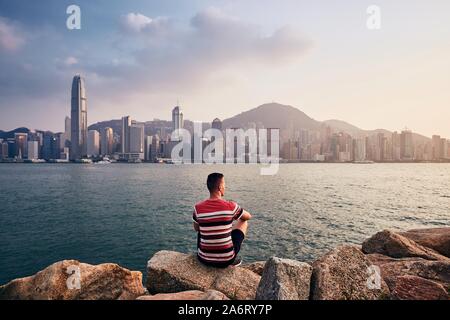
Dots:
{"x": 215, "y": 218}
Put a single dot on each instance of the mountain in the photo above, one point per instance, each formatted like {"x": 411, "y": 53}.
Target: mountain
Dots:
{"x": 10, "y": 134}
{"x": 273, "y": 115}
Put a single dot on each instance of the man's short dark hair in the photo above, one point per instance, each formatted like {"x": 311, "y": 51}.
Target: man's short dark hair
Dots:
{"x": 213, "y": 181}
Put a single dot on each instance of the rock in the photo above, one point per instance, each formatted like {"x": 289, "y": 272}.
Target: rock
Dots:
{"x": 391, "y": 269}
{"x": 170, "y": 272}
{"x": 59, "y": 282}
{"x": 284, "y": 279}
{"x": 187, "y": 295}
{"x": 257, "y": 267}
{"x": 345, "y": 274}
{"x": 417, "y": 288}
{"x": 397, "y": 246}
{"x": 437, "y": 239}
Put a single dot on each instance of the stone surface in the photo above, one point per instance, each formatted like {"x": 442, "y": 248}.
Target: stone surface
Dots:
{"x": 169, "y": 272}
{"x": 344, "y": 273}
{"x": 391, "y": 269}
{"x": 437, "y": 239}
{"x": 59, "y": 282}
{"x": 187, "y": 295}
{"x": 417, "y": 288}
{"x": 257, "y": 267}
{"x": 284, "y": 279}
{"x": 397, "y": 246}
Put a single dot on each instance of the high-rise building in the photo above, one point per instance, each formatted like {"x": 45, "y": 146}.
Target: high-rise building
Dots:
{"x": 107, "y": 141}
{"x": 33, "y": 150}
{"x": 177, "y": 120}
{"x": 78, "y": 128}
{"x": 3, "y": 150}
{"x": 148, "y": 148}
{"x": 359, "y": 149}
{"x": 438, "y": 145}
{"x": 50, "y": 146}
{"x": 156, "y": 148}
{"x": 93, "y": 145}
{"x": 216, "y": 124}
{"x": 137, "y": 138}
{"x": 66, "y": 135}
{"x": 406, "y": 145}
{"x": 21, "y": 140}
{"x": 125, "y": 137}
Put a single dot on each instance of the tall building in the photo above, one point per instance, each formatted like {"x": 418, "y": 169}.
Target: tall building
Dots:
{"x": 148, "y": 148}
{"x": 21, "y": 140}
{"x": 3, "y": 150}
{"x": 216, "y": 124}
{"x": 125, "y": 137}
{"x": 438, "y": 145}
{"x": 93, "y": 143}
{"x": 177, "y": 119}
{"x": 137, "y": 138}
{"x": 50, "y": 146}
{"x": 406, "y": 145}
{"x": 78, "y": 128}
{"x": 107, "y": 141}
{"x": 66, "y": 135}
{"x": 33, "y": 150}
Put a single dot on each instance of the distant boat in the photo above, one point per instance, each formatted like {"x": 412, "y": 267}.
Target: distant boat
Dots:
{"x": 105, "y": 160}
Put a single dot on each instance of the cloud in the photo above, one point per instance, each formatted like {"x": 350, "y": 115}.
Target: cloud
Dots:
{"x": 173, "y": 56}
{"x": 136, "y": 22}
{"x": 11, "y": 38}
{"x": 70, "y": 61}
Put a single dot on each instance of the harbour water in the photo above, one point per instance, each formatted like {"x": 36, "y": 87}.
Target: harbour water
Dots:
{"x": 125, "y": 213}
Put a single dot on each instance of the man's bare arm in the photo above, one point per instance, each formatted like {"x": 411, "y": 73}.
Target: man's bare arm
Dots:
{"x": 245, "y": 216}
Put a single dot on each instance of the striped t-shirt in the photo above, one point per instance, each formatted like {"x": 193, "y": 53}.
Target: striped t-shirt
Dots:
{"x": 215, "y": 218}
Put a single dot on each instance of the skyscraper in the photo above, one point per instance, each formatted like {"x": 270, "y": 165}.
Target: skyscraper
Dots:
{"x": 107, "y": 141}
{"x": 216, "y": 124}
{"x": 33, "y": 150}
{"x": 79, "y": 129}
{"x": 406, "y": 145}
{"x": 125, "y": 137}
{"x": 137, "y": 139}
{"x": 21, "y": 140}
{"x": 177, "y": 120}
{"x": 93, "y": 145}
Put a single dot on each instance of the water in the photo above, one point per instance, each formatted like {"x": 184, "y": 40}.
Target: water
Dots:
{"x": 125, "y": 213}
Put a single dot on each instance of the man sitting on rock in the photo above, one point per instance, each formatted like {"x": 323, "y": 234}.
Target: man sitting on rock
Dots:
{"x": 219, "y": 241}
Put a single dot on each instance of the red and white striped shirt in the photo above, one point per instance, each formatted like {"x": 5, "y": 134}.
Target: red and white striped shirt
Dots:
{"x": 215, "y": 218}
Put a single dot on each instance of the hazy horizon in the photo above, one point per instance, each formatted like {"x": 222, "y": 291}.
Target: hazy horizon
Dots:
{"x": 221, "y": 58}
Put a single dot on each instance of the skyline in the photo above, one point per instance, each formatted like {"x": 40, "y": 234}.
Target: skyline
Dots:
{"x": 220, "y": 58}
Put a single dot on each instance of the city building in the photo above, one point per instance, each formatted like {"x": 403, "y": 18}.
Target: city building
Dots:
{"x": 177, "y": 120}
{"x": 406, "y": 145}
{"x": 125, "y": 137}
{"x": 78, "y": 126}
{"x": 21, "y": 140}
{"x": 137, "y": 138}
{"x": 33, "y": 150}
{"x": 148, "y": 148}
{"x": 107, "y": 142}
{"x": 93, "y": 143}
{"x": 4, "y": 150}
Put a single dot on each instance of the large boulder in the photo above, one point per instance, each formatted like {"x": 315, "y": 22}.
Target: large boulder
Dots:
{"x": 417, "y": 288}
{"x": 170, "y": 272}
{"x": 345, "y": 273}
{"x": 73, "y": 280}
{"x": 284, "y": 279}
{"x": 187, "y": 295}
{"x": 437, "y": 274}
{"x": 257, "y": 267}
{"x": 437, "y": 239}
{"x": 397, "y": 246}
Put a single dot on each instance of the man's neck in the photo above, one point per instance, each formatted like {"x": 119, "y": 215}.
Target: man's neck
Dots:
{"x": 215, "y": 196}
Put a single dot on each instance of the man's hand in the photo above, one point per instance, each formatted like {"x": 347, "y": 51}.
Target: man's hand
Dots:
{"x": 196, "y": 227}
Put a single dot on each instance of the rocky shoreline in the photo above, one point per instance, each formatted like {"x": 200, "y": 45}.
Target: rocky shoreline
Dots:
{"x": 411, "y": 265}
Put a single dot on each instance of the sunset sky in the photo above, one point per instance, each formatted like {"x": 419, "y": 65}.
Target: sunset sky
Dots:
{"x": 219, "y": 58}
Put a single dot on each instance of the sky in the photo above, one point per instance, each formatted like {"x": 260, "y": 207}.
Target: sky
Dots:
{"x": 220, "y": 58}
